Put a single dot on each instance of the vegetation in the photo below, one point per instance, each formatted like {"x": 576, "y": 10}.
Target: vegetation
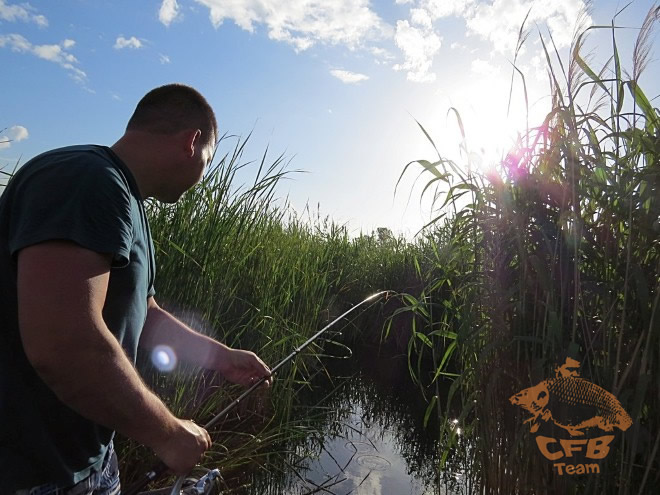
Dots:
{"x": 558, "y": 256}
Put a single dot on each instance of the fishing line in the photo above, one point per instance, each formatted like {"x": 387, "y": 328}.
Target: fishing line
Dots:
{"x": 159, "y": 469}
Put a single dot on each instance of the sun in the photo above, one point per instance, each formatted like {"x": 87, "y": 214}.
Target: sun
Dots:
{"x": 493, "y": 124}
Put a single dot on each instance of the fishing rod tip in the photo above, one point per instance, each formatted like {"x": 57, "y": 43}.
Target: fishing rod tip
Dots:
{"x": 385, "y": 293}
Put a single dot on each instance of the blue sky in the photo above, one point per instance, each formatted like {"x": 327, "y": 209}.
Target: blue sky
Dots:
{"x": 334, "y": 85}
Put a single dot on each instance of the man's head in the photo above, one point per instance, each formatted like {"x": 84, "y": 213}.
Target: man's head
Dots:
{"x": 169, "y": 140}
{"x": 173, "y": 108}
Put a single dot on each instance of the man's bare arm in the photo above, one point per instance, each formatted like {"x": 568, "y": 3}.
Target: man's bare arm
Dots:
{"x": 61, "y": 293}
{"x": 238, "y": 366}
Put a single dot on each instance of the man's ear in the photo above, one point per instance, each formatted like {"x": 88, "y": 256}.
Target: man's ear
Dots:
{"x": 192, "y": 140}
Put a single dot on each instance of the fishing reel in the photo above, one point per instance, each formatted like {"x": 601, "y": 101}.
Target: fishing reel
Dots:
{"x": 208, "y": 484}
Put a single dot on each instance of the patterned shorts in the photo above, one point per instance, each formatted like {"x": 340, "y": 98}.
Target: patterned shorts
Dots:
{"x": 104, "y": 483}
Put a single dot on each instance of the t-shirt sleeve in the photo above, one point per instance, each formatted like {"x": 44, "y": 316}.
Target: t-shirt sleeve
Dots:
{"x": 83, "y": 202}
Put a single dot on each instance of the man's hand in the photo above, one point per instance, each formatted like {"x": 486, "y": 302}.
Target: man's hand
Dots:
{"x": 184, "y": 448}
{"x": 242, "y": 367}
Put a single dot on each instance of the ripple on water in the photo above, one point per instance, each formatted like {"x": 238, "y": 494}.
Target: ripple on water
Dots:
{"x": 374, "y": 462}
{"x": 360, "y": 447}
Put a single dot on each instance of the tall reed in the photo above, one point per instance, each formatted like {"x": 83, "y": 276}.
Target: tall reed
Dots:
{"x": 557, "y": 257}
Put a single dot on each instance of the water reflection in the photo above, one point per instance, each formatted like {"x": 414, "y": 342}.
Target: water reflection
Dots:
{"x": 370, "y": 437}
{"x": 362, "y": 459}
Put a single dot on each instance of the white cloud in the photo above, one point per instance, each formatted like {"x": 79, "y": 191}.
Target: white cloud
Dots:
{"x": 536, "y": 67}
{"x": 53, "y": 53}
{"x": 303, "y": 23}
{"x": 483, "y": 67}
{"x": 348, "y": 77}
{"x": 500, "y": 24}
{"x": 445, "y": 8}
{"x": 381, "y": 53}
{"x": 13, "y": 135}
{"x": 164, "y": 59}
{"x": 382, "y": 56}
{"x": 419, "y": 46}
{"x": 23, "y": 12}
{"x": 498, "y": 21}
{"x": 421, "y": 17}
{"x": 168, "y": 12}
{"x": 131, "y": 42}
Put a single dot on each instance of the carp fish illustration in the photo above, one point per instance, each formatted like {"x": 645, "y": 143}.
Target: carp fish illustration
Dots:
{"x": 571, "y": 403}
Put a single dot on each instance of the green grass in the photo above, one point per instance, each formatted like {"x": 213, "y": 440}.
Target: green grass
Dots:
{"x": 559, "y": 256}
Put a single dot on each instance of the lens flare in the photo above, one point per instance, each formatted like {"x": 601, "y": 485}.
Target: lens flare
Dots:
{"x": 163, "y": 358}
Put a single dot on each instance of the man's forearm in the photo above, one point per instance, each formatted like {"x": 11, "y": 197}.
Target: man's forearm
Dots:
{"x": 161, "y": 328}
{"x": 236, "y": 365}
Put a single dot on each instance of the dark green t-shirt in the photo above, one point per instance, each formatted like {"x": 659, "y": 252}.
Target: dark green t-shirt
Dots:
{"x": 83, "y": 194}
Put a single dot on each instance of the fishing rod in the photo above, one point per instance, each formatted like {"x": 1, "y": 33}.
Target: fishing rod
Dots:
{"x": 159, "y": 469}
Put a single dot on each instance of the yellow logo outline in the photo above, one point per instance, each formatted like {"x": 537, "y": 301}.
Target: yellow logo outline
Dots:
{"x": 567, "y": 388}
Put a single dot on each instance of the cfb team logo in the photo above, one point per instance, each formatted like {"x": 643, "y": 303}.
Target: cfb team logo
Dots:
{"x": 573, "y": 404}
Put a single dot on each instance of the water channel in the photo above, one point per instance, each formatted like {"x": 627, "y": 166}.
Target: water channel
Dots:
{"x": 373, "y": 441}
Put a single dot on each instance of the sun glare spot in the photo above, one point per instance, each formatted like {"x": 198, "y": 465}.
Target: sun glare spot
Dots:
{"x": 163, "y": 358}
{"x": 493, "y": 121}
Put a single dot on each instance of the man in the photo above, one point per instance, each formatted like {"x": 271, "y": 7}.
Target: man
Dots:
{"x": 77, "y": 299}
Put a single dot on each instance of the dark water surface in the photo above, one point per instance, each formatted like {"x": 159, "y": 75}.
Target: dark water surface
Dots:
{"x": 372, "y": 438}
